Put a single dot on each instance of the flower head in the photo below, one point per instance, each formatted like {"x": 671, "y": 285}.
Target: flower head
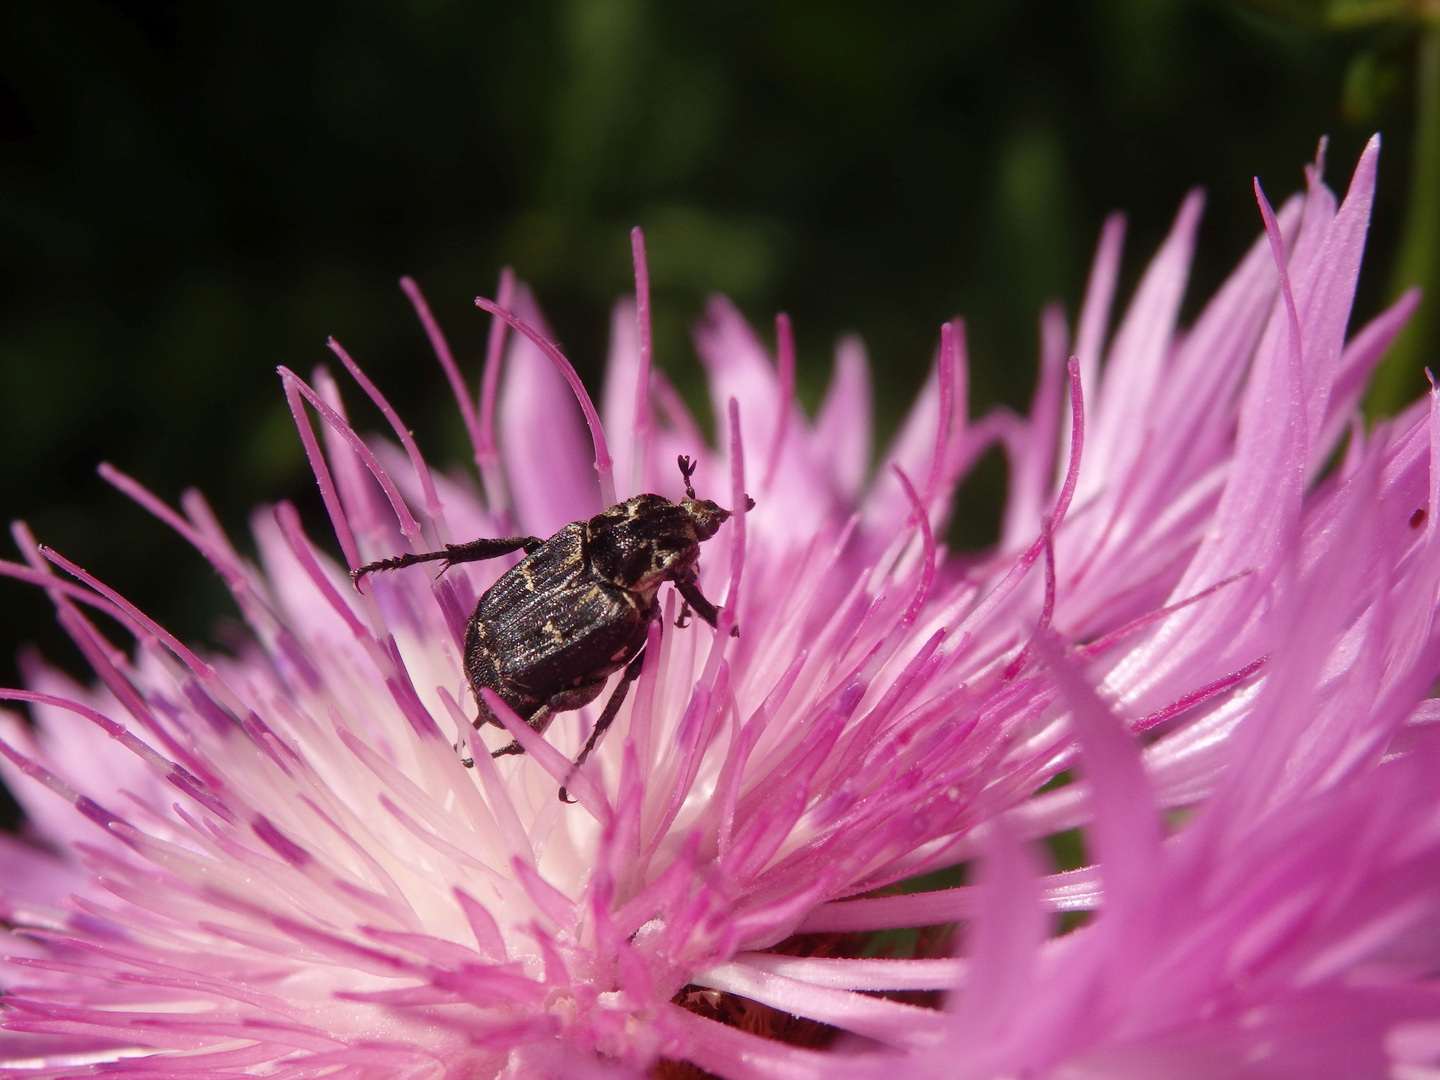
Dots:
{"x": 1200, "y": 638}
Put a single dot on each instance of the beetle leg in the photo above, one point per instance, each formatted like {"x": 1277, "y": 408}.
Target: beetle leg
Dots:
{"x": 539, "y": 720}
{"x": 690, "y": 592}
{"x": 612, "y": 707}
{"x": 683, "y": 619}
{"x": 474, "y": 551}
{"x": 575, "y": 698}
{"x": 490, "y": 548}
{"x": 462, "y": 747}
{"x": 512, "y": 747}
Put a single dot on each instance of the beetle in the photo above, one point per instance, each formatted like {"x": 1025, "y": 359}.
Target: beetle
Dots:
{"x": 555, "y": 626}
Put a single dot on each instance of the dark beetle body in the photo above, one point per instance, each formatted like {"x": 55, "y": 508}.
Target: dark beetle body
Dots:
{"x": 577, "y": 609}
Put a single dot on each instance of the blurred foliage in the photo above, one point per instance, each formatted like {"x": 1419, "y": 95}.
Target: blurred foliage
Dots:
{"x": 1409, "y": 37}
{"x": 193, "y": 193}
{"x": 1418, "y": 260}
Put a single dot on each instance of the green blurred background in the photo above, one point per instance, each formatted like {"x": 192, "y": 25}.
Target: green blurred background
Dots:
{"x": 192, "y": 193}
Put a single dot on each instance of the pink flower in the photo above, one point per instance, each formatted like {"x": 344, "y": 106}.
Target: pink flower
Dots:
{"x": 1223, "y": 633}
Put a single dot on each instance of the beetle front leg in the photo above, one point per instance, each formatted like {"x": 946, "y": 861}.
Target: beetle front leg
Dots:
{"x": 690, "y": 591}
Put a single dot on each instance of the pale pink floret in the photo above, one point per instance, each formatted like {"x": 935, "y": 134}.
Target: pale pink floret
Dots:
{"x": 281, "y": 867}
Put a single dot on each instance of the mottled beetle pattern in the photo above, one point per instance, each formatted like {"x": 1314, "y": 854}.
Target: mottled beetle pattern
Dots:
{"x": 555, "y": 626}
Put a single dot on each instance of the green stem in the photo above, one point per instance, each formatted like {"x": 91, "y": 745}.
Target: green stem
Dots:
{"x": 1398, "y": 380}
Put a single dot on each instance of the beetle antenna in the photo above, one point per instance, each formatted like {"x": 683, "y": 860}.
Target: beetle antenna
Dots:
{"x": 687, "y": 470}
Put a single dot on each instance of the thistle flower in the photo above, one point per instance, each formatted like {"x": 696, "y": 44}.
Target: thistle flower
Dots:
{"x": 1202, "y": 638}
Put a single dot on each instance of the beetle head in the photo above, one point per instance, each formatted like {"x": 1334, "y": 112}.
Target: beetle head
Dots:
{"x": 707, "y": 516}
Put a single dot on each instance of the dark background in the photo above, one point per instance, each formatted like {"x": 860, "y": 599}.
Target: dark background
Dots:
{"x": 192, "y": 193}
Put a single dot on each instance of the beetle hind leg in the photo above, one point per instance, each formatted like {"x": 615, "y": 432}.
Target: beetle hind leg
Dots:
{"x": 566, "y": 701}
{"x": 539, "y": 720}
{"x": 474, "y": 551}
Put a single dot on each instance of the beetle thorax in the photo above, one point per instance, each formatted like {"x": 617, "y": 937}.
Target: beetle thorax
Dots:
{"x": 647, "y": 540}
